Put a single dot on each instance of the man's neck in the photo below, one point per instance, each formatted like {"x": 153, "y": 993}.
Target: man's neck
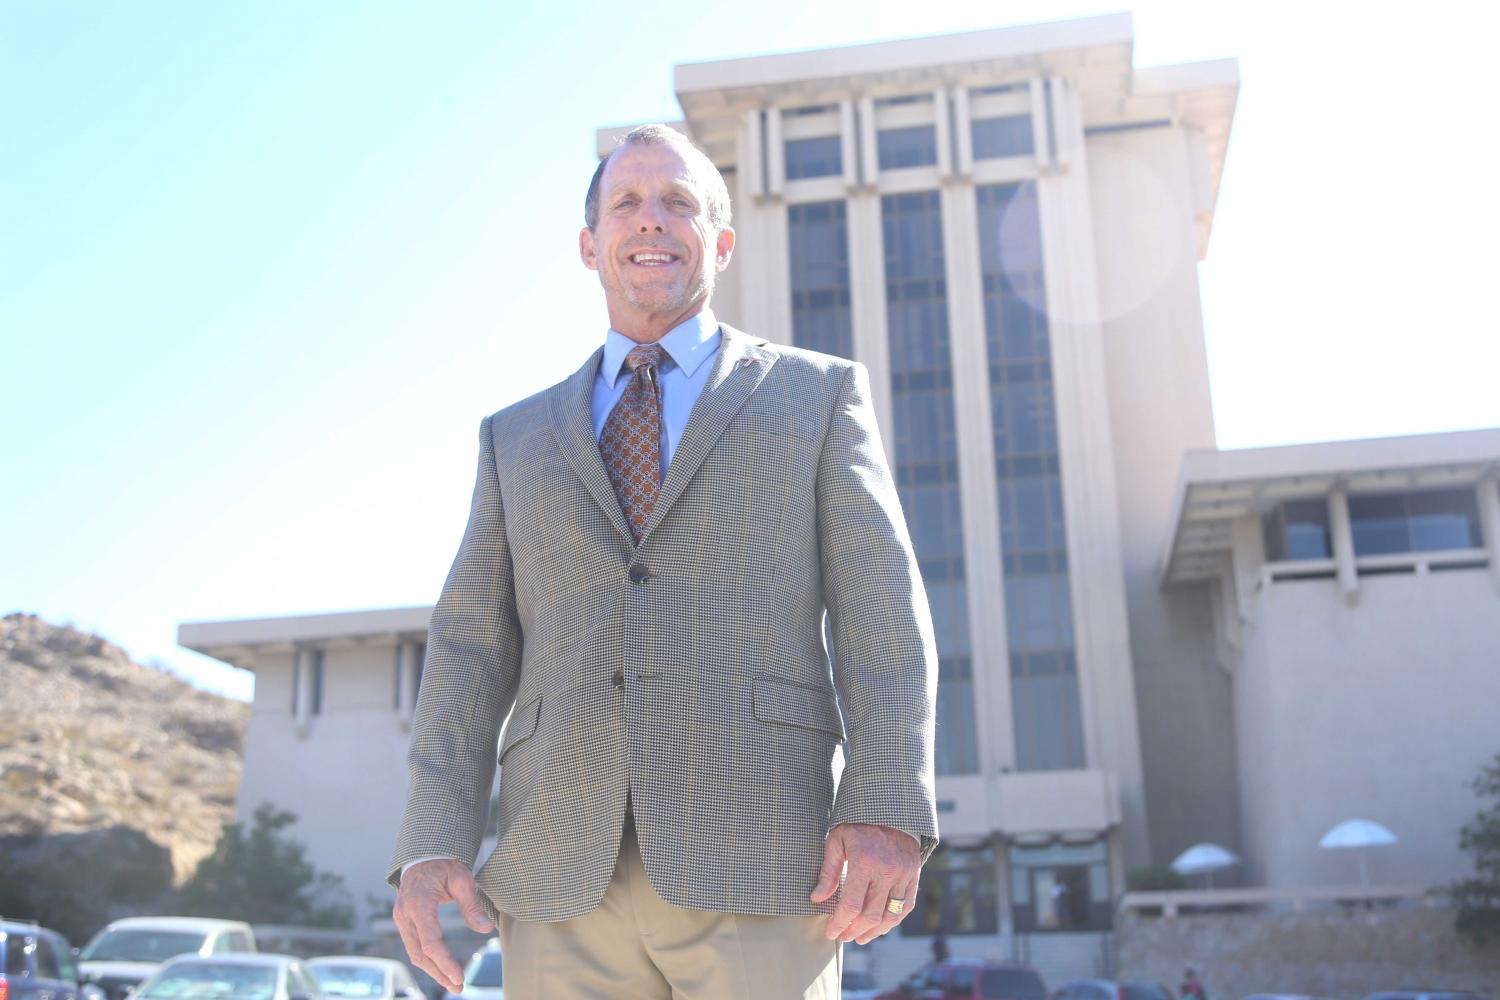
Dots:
{"x": 651, "y": 328}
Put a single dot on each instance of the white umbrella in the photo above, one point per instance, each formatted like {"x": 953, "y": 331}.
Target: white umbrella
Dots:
{"x": 1359, "y": 833}
{"x": 1204, "y": 859}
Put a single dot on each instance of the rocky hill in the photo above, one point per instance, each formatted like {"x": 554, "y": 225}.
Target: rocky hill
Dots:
{"x": 99, "y": 754}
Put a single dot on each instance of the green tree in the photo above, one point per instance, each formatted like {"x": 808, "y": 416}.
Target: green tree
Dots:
{"x": 262, "y": 876}
{"x": 1477, "y": 899}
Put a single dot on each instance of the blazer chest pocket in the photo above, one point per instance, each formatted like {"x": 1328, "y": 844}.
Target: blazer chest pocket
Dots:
{"x": 521, "y": 725}
{"x": 786, "y": 703}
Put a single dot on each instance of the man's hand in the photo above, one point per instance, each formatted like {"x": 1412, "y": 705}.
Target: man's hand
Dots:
{"x": 884, "y": 864}
{"x": 423, "y": 887}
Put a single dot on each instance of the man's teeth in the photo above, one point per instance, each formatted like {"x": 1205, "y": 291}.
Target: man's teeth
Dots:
{"x": 652, "y": 258}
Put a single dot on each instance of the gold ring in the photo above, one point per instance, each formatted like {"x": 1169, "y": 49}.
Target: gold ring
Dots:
{"x": 895, "y": 906}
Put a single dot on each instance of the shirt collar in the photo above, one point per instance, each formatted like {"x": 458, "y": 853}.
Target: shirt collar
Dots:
{"x": 688, "y": 344}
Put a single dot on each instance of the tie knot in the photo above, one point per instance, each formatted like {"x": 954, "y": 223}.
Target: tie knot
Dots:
{"x": 644, "y": 354}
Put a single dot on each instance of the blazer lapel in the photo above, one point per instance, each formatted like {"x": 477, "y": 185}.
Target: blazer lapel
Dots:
{"x": 571, "y": 410}
{"x": 740, "y": 365}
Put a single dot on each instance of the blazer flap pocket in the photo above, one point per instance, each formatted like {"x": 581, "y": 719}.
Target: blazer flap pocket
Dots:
{"x": 521, "y": 725}
{"x": 793, "y": 704}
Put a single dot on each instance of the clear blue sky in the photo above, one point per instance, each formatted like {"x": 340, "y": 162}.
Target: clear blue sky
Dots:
{"x": 264, "y": 266}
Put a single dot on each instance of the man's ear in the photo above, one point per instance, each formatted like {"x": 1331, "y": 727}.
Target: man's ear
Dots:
{"x": 586, "y": 249}
{"x": 723, "y": 248}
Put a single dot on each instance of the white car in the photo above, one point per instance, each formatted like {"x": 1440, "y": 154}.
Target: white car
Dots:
{"x": 231, "y": 976}
{"x": 482, "y": 976}
{"x": 126, "y": 951}
{"x": 355, "y": 977}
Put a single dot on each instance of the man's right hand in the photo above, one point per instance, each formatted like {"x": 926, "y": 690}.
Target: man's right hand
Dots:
{"x": 423, "y": 887}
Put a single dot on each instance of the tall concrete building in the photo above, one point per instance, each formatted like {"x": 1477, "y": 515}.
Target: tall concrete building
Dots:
{"x": 1144, "y": 643}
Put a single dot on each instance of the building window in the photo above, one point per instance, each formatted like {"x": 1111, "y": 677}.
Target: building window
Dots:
{"x": 958, "y": 894}
{"x": 925, "y": 441}
{"x": 820, "y": 157}
{"x": 296, "y": 682}
{"x": 907, "y": 147}
{"x": 1059, "y": 887}
{"x": 994, "y": 138}
{"x": 1414, "y": 522}
{"x": 1046, "y": 714}
{"x": 1298, "y": 529}
{"x": 818, "y": 254}
{"x": 317, "y": 682}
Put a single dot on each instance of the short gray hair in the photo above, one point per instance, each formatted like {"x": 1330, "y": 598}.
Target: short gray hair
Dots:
{"x": 715, "y": 190}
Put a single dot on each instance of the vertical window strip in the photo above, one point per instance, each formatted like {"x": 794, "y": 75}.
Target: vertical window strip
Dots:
{"x": 818, "y": 256}
{"x": 1039, "y": 618}
{"x": 317, "y": 682}
{"x": 926, "y": 453}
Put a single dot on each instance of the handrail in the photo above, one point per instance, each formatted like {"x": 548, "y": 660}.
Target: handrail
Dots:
{"x": 1171, "y": 901}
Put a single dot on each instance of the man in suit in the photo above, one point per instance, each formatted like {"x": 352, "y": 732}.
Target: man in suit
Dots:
{"x": 642, "y": 585}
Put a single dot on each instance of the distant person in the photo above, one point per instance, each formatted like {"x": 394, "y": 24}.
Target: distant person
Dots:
{"x": 652, "y": 546}
{"x": 1192, "y": 986}
{"x": 939, "y": 947}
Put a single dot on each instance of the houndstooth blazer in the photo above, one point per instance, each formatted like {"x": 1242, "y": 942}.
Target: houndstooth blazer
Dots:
{"x": 688, "y": 670}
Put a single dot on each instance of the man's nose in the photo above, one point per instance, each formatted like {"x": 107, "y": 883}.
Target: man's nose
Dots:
{"x": 650, "y": 216}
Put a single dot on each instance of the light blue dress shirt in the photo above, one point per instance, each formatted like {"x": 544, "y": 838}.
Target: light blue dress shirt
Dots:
{"x": 690, "y": 345}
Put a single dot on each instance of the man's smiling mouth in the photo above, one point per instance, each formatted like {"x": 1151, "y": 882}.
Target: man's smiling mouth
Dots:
{"x": 652, "y": 258}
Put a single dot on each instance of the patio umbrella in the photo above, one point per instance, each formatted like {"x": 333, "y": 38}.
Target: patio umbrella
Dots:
{"x": 1204, "y": 859}
{"x": 1360, "y": 834}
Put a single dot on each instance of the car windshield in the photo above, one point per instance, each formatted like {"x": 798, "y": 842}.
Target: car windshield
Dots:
{"x": 211, "y": 981}
{"x": 135, "y": 945}
{"x": 350, "y": 980}
{"x": 858, "y": 979}
{"x": 484, "y": 969}
{"x": 1011, "y": 984}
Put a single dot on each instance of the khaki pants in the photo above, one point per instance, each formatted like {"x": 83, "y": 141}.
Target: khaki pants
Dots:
{"x": 637, "y": 946}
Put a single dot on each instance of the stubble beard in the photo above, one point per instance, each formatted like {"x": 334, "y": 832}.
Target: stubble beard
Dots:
{"x": 661, "y": 301}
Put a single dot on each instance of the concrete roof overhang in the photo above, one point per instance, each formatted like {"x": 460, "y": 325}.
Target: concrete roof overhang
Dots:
{"x": 1216, "y": 488}
{"x": 238, "y": 642}
{"x": 1094, "y": 53}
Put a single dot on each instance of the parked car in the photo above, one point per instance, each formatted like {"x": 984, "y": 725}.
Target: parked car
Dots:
{"x": 1111, "y": 989}
{"x": 482, "y": 976}
{"x": 359, "y": 978}
{"x": 127, "y": 951}
{"x": 857, "y": 984}
{"x": 231, "y": 976}
{"x": 1282, "y": 996}
{"x": 39, "y": 964}
{"x": 970, "y": 978}
{"x": 1426, "y": 995}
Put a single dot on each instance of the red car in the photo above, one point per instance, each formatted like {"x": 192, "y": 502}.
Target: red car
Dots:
{"x": 970, "y": 979}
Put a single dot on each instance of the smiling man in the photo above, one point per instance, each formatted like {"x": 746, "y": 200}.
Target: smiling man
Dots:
{"x": 652, "y": 548}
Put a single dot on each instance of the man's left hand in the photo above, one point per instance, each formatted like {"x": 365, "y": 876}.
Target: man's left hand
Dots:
{"x": 884, "y": 864}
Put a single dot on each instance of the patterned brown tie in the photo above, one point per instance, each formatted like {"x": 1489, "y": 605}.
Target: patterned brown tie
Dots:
{"x": 630, "y": 443}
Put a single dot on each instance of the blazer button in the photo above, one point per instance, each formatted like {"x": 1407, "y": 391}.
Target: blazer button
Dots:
{"x": 619, "y": 678}
{"x": 639, "y": 574}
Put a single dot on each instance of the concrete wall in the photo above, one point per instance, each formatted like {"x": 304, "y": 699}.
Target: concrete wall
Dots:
{"x": 1382, "y": 711}
{"x": 1141, "y": 188}
{"x": 1340, "y": 954}
{"x": 346, "y": 778}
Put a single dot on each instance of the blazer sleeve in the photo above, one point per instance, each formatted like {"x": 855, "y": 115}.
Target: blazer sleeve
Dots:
{"x": 469, "y": 683}
{"x": 885, "y": 657}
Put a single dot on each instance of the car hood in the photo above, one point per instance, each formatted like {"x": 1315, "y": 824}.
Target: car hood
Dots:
{"x": 118, "y": 970}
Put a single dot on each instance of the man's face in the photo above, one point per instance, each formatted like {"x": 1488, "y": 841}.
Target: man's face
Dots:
{"x": 655, "y": 251}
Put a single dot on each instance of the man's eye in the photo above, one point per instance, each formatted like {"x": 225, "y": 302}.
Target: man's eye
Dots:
{"x": 624, "y": 202}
